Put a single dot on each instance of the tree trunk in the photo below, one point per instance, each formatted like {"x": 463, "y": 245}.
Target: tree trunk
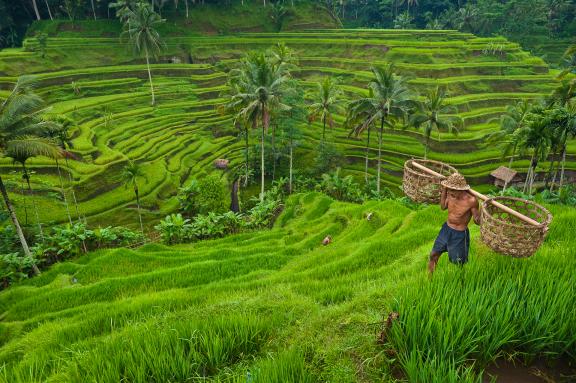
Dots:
{"x": 150, "y": 77}
{"x": 234, "y": 202}
{"x": 506, "y": 182}
{"x": 246, "y": 144}
{"x": 24, "y": 201}
{"x": 73, "y": 192}
{"x": 367, "y": 156}
{"x": 291, "y": 165}
{"x": 562, "y": 167}
{"x": 63, "y": 192}
{"x": 528, "y": 175}
{"x": 426, "y": 147}
{"x": 49, "y": 11}
{"x": 262, "y": 170}
{"x": 273, "y": 152}
{"x": 186, "y": 2}
{"x": 323, "y": 129}
{"x": 30, "y": 193}
{"x": 139, "y": 214}
{"x": 36, "y": 10}
{"x": 16, "y": 224}
{"x": 93, "y": 9}
{"x": 379, "y": 155}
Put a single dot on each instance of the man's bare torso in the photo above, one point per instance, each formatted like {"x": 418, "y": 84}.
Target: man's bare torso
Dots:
{"x": 461, "y": 208}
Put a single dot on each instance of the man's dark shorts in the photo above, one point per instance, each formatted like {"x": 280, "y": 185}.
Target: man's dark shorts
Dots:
{"x": 455, "y": 242}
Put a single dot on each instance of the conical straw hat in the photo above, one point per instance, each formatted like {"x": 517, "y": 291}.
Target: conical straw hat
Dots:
{"x": 456, "y": 181}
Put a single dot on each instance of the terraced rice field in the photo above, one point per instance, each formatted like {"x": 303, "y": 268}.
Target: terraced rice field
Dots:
{"x": 276, "y": 306}
{"x": 182, "y": 136}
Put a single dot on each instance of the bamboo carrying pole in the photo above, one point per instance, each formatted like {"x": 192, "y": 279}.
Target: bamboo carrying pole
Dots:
{"x": 482, "y": 197}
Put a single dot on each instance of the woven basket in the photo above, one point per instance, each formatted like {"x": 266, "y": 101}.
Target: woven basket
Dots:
{"x": 423, "y": 187}
{"x": 507, "y": 234}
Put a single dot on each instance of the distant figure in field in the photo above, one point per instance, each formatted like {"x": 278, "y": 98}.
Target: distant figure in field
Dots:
{"x": 454, "y": 237}
{"x": 327, "y": 240}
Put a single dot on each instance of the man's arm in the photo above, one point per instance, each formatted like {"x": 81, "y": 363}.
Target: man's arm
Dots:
{"x": 444, "y": 199}
{"x": 476, "y": 211}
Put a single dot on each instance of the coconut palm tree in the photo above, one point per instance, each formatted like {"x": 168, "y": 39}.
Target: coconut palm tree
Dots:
{"x": 21, "y": 156}
{"x": 512, "y": 124}
{"x": 563, "y": 93}
{"x": 535, "y": 138}
{"x": 388, "y": 100}
{"x": 140, "y": 26}
{"x": 409, "y": 3}
{"x": 327, "y": 101}
{"x": 358, "y": 124}
{"x": 131, "y": 173}
{"x": 260, "y": 87}
{"x": 433, "y": 113}
{"x": 20, "y": 125}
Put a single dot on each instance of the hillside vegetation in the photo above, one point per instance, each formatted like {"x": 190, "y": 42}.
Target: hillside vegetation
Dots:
{"x": 277, "y": 306}
{"x": 96, "y": 83}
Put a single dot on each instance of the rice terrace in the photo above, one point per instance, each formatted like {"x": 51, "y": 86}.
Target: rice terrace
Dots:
{"x": 288, "y": 191}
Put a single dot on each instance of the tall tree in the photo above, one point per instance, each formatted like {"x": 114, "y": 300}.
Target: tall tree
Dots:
{"x": 358, "y": 124}
{"x": 512, "y": 124}
{"x": 433, "y": 114}
{"x": 140, "y": 26}
{"x": 131, "y": 173}
{"x": 388, "y": 100}
{"x": 260, "y": 87}
{"x": 20, "y": 125}
{"x": 327, "y": 100}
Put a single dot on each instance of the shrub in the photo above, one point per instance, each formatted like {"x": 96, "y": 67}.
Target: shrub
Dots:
{"x": 204, "y": 196}
{"x": 565, "y": 196}
{"x": 341, "y": 188}
{"x": 71, "y": 240}
{"x": 115, "y": 237}
{"x": 174, "y": 229}
{"x": 14, "y": 268}
{"x": 63, "y": 242}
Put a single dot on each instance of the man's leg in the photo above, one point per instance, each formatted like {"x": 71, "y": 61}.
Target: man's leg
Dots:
{"x": 434, "y": 257}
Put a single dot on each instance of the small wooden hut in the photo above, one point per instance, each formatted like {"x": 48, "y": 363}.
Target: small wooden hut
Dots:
{"x": 505, "y": 177}
{"x": 221, "y": 164}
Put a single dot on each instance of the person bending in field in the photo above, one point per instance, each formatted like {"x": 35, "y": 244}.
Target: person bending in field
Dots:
{"x": 454, "y": 237}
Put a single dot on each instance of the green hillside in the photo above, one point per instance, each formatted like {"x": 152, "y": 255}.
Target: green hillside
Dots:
{"x": 277, "y": 306}
{"x": 103, "y": 90}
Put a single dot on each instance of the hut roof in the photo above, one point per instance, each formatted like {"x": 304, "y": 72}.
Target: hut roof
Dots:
{"x": 505, "y": 174}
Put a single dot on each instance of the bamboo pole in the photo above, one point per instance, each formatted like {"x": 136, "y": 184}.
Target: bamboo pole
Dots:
{"x": 482, "y": 197}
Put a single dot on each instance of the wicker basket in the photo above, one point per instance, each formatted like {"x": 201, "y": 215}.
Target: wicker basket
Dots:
{"x": 507, "y": 234}
{"x": 423, "y": 187}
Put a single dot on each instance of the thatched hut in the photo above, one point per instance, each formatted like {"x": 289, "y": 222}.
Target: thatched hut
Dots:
{"x": 505, "y": 177}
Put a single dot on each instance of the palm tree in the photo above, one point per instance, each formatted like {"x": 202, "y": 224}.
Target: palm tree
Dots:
{"x": 35, "y": 6}
{"x": 140, "y": 26}
{"x": 563, "y": 93}
{"x": 130, "y": 175}
{"x": 536, "y": 137}
{"x": 259, "y": 88}
{"x": 20, "y": 124}
{"x": 409, "y": 3}
{"x": 59, "y": 133}
{"x": 388, "y": 99}
{"x": 512, "y": 124}
{"x": 327, "y": 101}
{"x": 432, "y": 114}
{"x": 21, "y": 156}
{"x": 358, "y": 123}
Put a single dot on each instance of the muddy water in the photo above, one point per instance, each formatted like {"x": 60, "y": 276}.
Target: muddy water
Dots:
{"x": 540, "y": 371}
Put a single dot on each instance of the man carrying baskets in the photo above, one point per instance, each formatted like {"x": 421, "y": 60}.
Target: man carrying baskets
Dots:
{"x": 454, "y": 237}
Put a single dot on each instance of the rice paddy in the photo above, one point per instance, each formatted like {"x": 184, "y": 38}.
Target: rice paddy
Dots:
{"x": 102, "y": 89}
{"x": 278, "y": 306}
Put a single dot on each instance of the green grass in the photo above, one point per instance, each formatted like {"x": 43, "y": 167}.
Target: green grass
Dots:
{"x": 280, "y": 307}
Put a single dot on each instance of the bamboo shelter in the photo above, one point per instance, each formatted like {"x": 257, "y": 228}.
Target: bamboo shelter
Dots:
{"x": 422, "y": 186}
{"x": 510, "y": 226}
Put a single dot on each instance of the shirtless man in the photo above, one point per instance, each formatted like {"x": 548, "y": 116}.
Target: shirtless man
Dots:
{"x": 454, "y": 237}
